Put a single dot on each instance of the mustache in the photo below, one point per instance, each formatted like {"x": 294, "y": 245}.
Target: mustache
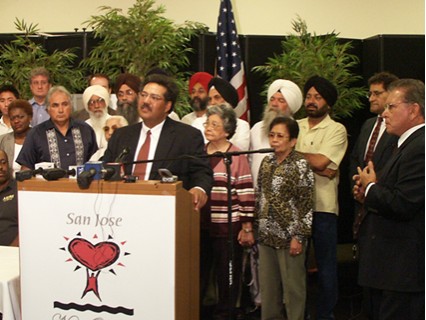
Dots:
{"x": 311, "y": 105}
{"x": 146, "y": 106}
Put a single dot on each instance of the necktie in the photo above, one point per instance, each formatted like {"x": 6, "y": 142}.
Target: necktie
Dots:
{"x": 140, "y": 168}
{"x": 373, "y": 140}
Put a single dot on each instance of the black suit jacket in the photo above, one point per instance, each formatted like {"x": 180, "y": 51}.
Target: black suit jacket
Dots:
{"x": 382, "y": 153}
{"x": 392, "y": 236}
{"x": 176, "y": 139}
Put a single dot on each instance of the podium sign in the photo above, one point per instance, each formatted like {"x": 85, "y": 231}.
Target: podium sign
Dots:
{"x": 115, "y": 251}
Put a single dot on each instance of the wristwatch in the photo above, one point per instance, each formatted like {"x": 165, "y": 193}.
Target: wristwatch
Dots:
{"x": 247, "y": 230}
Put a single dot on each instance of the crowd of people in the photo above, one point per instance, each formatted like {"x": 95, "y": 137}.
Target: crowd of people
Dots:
{"x": 283, "y": 203}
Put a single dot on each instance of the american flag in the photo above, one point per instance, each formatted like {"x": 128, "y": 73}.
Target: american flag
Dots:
{"x": 230, "y": 66}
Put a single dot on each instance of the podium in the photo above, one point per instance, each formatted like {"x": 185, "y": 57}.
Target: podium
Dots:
{"x": 114, "y": 251}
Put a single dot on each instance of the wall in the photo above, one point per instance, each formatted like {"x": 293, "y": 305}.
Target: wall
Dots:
{"x": 356, "y": 19}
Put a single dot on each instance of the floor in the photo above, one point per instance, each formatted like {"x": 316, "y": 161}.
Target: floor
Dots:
{"x": 349, "y": 305}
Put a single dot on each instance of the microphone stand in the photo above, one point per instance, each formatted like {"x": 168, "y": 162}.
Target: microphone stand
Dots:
{"x": 227, "y": 159}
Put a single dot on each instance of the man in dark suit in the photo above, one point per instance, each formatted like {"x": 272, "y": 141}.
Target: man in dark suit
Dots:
{"x": 169, "y": 140}
{"x": 392, "y": 235}
{"x": 382, "y": 144}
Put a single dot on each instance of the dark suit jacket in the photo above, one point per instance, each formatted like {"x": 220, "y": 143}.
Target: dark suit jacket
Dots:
{"x": 176, "y": 139}
{"x": 392, "y": 236}
{"x": 382, "y": 153}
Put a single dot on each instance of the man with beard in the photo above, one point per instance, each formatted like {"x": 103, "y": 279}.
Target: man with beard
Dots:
{"x": 160, "y": 137}
{"x": 102, "y": 80}
{"x": 221, "y": 91}
{"x": 284, "y": 99}
{"x": 8, "y": 204}
{"x": 126, "y": 88}
{"x": 323, "y": 142}
{"x": 96, "y": 101}
{"x": 198, "y": 92}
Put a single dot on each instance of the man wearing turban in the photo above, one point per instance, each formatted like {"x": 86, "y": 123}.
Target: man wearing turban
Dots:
{"x": 221, "y": 91}
{"x": 126, "y": 88}
{"x": 323, "y": 142}
{"x": 198, "y": 92}
{"x": 284, "y": 99}
{"x": 96, "y": 100}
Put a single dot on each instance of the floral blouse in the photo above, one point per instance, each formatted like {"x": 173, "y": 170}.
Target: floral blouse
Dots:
{"x": 284, "y": 200}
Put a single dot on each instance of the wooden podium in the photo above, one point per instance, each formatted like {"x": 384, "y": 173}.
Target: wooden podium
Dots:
{"x": 114, "y": 251}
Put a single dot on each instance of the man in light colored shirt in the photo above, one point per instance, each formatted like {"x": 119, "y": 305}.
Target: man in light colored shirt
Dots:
{"x": 198, "y": 92}
{"x": 39, "y": 84}
{"x": 8, "y": 94}
{"x": 284, "y": 99}
{"x": 323, "y": 142}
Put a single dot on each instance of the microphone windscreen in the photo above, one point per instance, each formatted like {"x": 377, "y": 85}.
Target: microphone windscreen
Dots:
{"x": 85, "y": 178}
{"x": 53, "y": 174}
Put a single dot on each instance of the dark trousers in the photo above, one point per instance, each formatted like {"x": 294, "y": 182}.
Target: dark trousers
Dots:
{"x": 324, "y": 238}
{"x": 394, "y": 305}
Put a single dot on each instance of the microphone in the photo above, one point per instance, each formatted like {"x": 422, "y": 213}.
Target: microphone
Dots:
{"x": 27, "y": 174}
{"x": 53, "y": 174}
{"x": 85, "y": 178}
{"x": 123, "y": 153}
{"x": 111, "y": 172}
{"x": 265, "y": 150}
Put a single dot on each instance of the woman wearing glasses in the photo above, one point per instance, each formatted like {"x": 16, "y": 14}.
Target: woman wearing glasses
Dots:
{"x": 219, "y": 128}
{"x": 284, "y": 206}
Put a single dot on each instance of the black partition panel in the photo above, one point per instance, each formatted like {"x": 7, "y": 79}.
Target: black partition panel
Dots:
{"x": 403, "y": 55}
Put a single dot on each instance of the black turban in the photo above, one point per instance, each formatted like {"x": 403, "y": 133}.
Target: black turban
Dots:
{"x": 324, "y": 87}
{"x": 226, "y": 90}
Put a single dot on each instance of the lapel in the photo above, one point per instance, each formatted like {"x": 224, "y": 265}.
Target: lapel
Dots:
{"x": 132, "y": 140}
{"x": 397, "y": 154}
{"x": 164, "y": 146}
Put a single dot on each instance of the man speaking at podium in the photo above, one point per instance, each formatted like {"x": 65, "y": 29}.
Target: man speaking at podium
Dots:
{"x": 160, "y": 138}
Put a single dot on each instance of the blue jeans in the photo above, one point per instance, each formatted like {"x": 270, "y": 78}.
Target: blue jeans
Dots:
{"x": 324, "y": 236}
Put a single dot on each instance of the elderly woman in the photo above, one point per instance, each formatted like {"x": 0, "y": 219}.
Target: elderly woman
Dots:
{"x": 20, "y": 114}
{"x": 284, "y": 206}
{"x": 111, "y": 124}
{"x": 219, "y": 128}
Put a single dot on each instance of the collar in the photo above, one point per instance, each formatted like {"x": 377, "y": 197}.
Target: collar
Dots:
{"x": 408, "y": 133}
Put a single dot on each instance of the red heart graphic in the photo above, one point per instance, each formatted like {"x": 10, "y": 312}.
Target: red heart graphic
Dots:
{"x": 94, "y": 257}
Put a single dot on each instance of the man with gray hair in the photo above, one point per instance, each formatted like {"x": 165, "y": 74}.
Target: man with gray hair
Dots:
{"x": 284, "y": 99}
{"x": 59, "y": 140}
{"x": 39, "y": 84}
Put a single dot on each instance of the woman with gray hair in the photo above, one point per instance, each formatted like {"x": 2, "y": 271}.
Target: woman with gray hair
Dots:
{"x": 219, "y": 128}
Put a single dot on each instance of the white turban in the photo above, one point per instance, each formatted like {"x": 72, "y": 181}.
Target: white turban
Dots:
{"x": 96, "y": 90}
{"x": 291, "y": 92}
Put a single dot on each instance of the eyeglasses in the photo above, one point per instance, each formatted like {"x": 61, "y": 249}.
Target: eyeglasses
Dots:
{"x": 278, "y": 135}
{"x": 121, "y": 94}
{"x": 97, "y": 101}
{"x": 214, "y": 125}
{"x": 374, "y": 93}
{"x": 112, "y": 128}
{"x": 391, "y": 106}
{"x": 154, "y": 97}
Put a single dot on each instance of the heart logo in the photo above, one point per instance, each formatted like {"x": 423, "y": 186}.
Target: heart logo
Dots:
{"x": 94, "y": 257}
